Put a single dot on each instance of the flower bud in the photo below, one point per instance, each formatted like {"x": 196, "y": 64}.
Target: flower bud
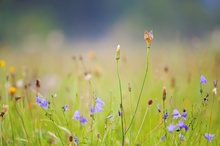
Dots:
{"x": 164, "y": 93}
{"x": 150, "y": 101}
{"x": 117, "y": 57}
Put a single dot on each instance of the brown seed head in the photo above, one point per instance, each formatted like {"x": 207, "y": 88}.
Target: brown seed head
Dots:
{"x": 38, "y": 83}
{"x": 129, "y": 87}
{"x": 70, "y": 138}
{"x": 150, "y": 101}
{"x": 164, "y": 93}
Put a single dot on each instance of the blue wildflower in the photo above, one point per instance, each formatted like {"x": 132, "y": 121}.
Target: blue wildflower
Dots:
{"x": 76, "y": 115}
{"x": 176, "y": 114}
{"x": 171, "y": 128}
{"x": 83, "y": 120}
{"x": 165, "y": 115}
{"x": 209, "y": 137}
{"x": 99, "y": 101}
{"x": 181, "y": 125}
{"x": 203, "y": 80}
{"x": 65, "y": 107}
{"x": 184, "y": 114}
{"x": 42, "y": 102}
{"x": 162, "y": 138}
{"x": 92, "y": 110}
{"x": 119, "y": 113}
{"x": 98, "y": 108}
{"x": 76, "y": 140}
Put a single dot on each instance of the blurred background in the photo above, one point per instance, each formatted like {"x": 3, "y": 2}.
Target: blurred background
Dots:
{"x": 80, "y": 24}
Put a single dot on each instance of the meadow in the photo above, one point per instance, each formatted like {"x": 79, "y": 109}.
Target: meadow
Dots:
{"x": 149, "y": 94}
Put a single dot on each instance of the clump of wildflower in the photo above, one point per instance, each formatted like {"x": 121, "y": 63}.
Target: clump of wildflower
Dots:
{"x": 171, "y": 128}
{"x": 42, "y": 102}
{"x": 12, "y": 90}
{"x": 2, "y": 63}
{"x": 77, "y": 116}
{"x": 117, "y": 57}
{"x": 176, "y": 114}
{"x": 98, "y": 106}
{"x": 209, "y": 137}
{"x": 4, "y": 110}
{"x": 65, "y": 107}
{"x": 203, "y": 80}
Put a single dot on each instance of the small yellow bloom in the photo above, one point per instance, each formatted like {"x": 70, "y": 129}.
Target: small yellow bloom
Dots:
{"x": 11, "y": 69}
{"x": 12, "y": 90}
{"x": 148, "y": 36}
{"x": 2, "y": 63}
{"x": 91, "y": 54}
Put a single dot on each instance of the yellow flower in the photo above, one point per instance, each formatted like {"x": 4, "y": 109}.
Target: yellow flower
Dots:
{"x": 12, "y": 90}
{"x": 148, "y": 36}
{"x": 2, "y": 63}
{"x": 91, "y": 54}
{"x": 11, "y": 69}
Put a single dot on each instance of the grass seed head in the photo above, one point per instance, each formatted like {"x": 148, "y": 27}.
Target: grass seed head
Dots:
{"x": 117, "y": 53}
{"x": 164, "y": 93}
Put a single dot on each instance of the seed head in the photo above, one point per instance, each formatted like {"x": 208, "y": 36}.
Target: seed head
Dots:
{"x": 4, "y": 110}
{"x": 164, "y": 93}
{"x": 117, "y": 57}
{"x": 38, "y": 83}
{"x": 129, "y": 87}
{"x": 150, "y": 101}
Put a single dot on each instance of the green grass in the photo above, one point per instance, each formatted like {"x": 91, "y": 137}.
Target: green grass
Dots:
{"x": 64, "y": 76}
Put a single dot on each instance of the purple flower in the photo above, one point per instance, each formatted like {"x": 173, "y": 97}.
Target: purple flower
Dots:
{"x": 184, "y": 114}
{"x": 76, "y": 140}
{"x": 162, "y": 138}
{"x": 165, "y": 115}
{"x": 76, "y": 115}
{"x": 209, "y": 137}
{"x": 171, "y": 128}
{"x": 42, "y": 102}
{"x": 92, "y": 110}
{"x": 83, "y": 120}
{"x": 119, "y": 113}
{"x": 181, "y": 125}
{"x": 99, "y": 101}
{"x": 176, "y": 114}
{"x": 203, "y": 80}
{"x": 65, "y": 107}
{"x": 98, "y": 107}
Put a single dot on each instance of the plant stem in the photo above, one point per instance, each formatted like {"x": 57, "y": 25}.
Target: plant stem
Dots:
{"x": 142, "y": 123}
{"x": 121, "y": 105}
{"x": 22, "y": 123}
{"x": 142, "y": 87}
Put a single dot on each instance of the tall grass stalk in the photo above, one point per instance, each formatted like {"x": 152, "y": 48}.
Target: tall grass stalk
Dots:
{"x": 142, "y": 87}
{"x": 121, "y": 105}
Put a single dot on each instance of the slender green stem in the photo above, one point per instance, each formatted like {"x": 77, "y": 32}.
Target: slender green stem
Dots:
{"x": 130, "y": 118}
{"x": 142, "y": 123}
{"x": 142, "y": 87}
{"x": 22, "y": 123}
{"x": 121, "y": 105}
{"x": 58, "y": 132}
